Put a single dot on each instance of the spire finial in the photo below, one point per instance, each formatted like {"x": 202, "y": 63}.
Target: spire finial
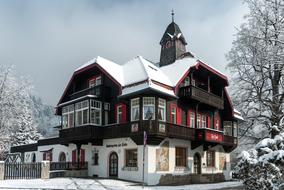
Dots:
{"x": 173, "y": 14}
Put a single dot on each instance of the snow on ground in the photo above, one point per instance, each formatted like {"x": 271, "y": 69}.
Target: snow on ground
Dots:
{"x": 101, "y": 184}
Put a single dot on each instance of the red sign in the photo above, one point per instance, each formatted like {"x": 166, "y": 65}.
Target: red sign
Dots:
{"x": 213, "y": 136}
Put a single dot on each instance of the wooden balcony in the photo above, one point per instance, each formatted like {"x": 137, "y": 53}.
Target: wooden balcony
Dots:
{"x": 97, "y": 91}
{"x": 202, "y": 96}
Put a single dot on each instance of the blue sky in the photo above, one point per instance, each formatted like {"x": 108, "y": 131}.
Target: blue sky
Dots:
{"x": 48, "y": 39}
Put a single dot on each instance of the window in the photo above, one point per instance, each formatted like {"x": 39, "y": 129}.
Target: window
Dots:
{"x": 106, "y": 112}
{"x": 95, "y": 81}
{"x": 68, "y": 116}
{"x": 148, "y": 108}
{"x": 96, "y": 110}
{"x": 187, "y": 81}
{"x": 181, "y": 157}
{"x": 174, "y": 114}
{"x": 198, "y": 121}
{"x": 235, "y": 129}
{"x": 203, "y": 122}
{"x": 217, "y": 123}
{"x": 192, "y": 119}
{"x": 228, "y": 128}
{"x": 162, "y": 110}
{"x": 119, "y": 114}
{"x": 95, "y": 158}
{"x": 131, "y": 158}
{"x": 135, "y": 114}
{"x": 210, "y": 158}
{"x": 82, "y": 112}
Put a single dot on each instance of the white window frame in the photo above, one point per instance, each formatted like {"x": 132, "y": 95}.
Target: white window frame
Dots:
{"x": 145, "y": 103}
{"x": 96, "y": 106}
{"x": 95, "y": 81}
{"x": 198, "y": 121}
{"x": 134, "y": 106}
{"x": 192, "y": 119}
{"x": 162, "y": 104}
{"x": 79, "y": 110}
{"x": 174, "y": 114}
{"x": 203, "y": 121}
{"x": 68, "y": 112}
{"x": 118, "y": 113}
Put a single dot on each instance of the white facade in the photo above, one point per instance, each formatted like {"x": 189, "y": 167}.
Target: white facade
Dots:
{"x": 152, "y": 174}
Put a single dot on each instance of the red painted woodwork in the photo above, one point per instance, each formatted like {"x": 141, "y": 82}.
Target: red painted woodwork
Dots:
{"x": 188, "y": 118}
{"x": 178, "y": 115}
{"x": 82, "y": 155}
{"x": 208, "y": 122}
{"x": 123, "y": 114}
{"x": 44, "y": 156}
{"x": 74, "y": 155}
{"x": 213, "y": 136}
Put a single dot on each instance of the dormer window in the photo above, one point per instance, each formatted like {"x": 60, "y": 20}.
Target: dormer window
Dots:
{"x": 95, "y": 81}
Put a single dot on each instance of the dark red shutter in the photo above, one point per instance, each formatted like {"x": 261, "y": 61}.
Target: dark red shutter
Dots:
{"x": 44, "y": 156}
{"x": 50, "y": 156}
{"x": 219, "y": 120}
{"x": 123, "y": 109}
{"x": 115, "y": 113}
{"x": 82, "y": 158}
{"x": 188, "y": 118}
{"x": 208, "y": 122}
{"x": 74, "y": 155}
{"x": 178, "y": 115}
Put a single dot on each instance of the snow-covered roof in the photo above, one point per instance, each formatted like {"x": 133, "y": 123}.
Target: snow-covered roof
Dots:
{"x": 238, "y": 115}
{"x": 139, "y": 70}
{"x": 177, "y": 70}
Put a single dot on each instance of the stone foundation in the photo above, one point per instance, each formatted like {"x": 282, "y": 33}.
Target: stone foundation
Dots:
{"x": 170, "y": 179}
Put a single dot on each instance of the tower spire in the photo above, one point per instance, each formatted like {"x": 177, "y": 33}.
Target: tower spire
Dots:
{"x": 173, "y": 14}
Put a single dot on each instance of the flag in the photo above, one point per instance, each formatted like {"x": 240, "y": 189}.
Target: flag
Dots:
{"x": 145, "y": 138}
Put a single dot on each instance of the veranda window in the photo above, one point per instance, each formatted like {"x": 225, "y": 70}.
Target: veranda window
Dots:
{"x": 96, "y": 112}
{"x": 68, "y": 116}
{"x": 192, "y": 119}
{"x": 203, "y": 122}
{"x": 228, "y": 128}
{"x": 148, "y": 108}
{"x": 82, "y": 113}
{"x": 135, "y": 114}
{"x": 131, "y": 158}
{"x": 162, "y": 110}
{"x": 198, "y": 121}
{"x": 181, "y": 157}
{"x": 174, "y": 114}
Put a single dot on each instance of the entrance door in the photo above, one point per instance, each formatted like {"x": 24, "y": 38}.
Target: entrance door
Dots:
{"x": 113, "y": 165}
{"x": 197, "y": 163}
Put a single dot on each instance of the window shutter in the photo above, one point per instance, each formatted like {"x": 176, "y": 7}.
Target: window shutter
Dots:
{"x": 208, "y": 122}
{"x": 50, "y": 156}
{"x": 115, "y": 113}
{"x": 219, "y": 120}
{"x": 74, "y": 155}
{"x": 178, "y": 115}
{"x": 188, "y": 118}
{"x": 123, "y": 109}
{"x": 82, "y": 159}
{"x": 44, "y": 156}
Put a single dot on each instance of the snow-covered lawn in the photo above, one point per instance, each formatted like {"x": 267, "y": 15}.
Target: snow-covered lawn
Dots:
{"x": 100, "y": 184}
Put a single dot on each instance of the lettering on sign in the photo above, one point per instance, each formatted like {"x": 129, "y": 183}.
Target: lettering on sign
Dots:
{"x": 214, "y": 136}
{"x": 116, "y": 145}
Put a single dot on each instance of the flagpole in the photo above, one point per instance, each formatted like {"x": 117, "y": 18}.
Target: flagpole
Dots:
{"x": 144, "y": 133}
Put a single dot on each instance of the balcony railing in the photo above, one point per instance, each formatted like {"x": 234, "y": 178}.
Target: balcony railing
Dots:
{"x": 202, "y": 96}
{"x": 97, "y": 91}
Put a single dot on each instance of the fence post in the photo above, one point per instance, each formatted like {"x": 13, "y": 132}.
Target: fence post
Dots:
{"x": 45, "y": 168}
{"x": 2, "y": 170}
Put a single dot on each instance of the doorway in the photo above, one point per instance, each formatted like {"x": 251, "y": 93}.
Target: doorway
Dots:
{"x": 113, "y": 165}
{"x": 197, "y": 163}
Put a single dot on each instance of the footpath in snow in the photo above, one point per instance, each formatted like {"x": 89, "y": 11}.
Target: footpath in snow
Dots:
{"x": 102, "y": 184}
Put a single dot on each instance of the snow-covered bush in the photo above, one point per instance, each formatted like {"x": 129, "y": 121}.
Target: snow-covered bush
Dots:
{"x": 262, "y": 167}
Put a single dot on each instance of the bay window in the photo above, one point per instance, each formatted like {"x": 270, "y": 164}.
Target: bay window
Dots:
{"x": 82, "y": 113}
{"x": 162, "y": 110}
{"x": 119, "y": 114}
{"x": 96, "y": 112}
{"x": 107, "y": 110}
{"x": 68, "y": 116}
{"x": 228, "y": 128}
{"x": 235, "y": 125}
{"x": 148, "y": 108}
{"x": 135, "y": 113}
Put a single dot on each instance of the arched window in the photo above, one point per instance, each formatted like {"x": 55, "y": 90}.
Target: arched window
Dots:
{"x": 33, "y": 157}
{"x": 62, "y": 157}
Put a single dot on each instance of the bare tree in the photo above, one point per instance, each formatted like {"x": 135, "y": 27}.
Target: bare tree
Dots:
{"x": 256, "y": 63}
